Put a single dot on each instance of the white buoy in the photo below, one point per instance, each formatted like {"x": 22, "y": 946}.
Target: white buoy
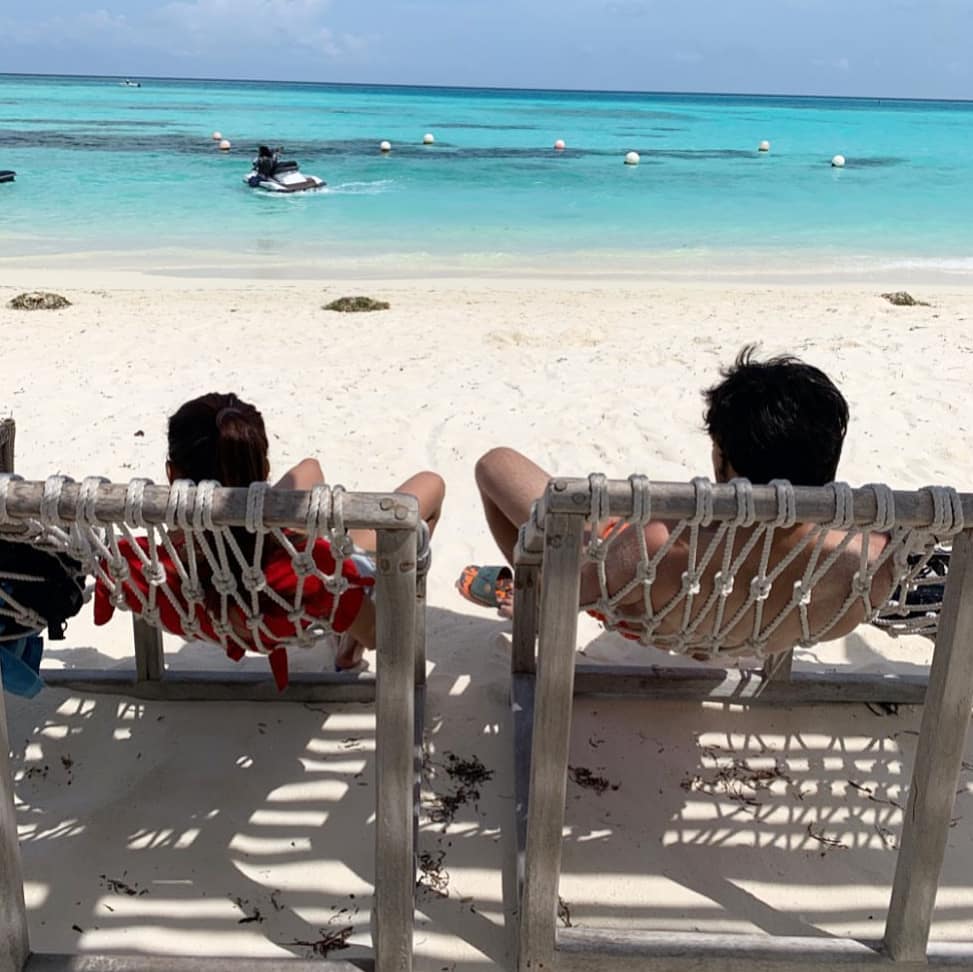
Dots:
{"x": 764, "y": 146}
{"x": 428, "y": 138}
{"x": 225, "y": 145}
{"x": 632, "y": 158}
{"x": 217, "y": 136}
{"x": 838, "y": 162}
{"x": 559, "y": 145}
{"x": 385, "y": 146}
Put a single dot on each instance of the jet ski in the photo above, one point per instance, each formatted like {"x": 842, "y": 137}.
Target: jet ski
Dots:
{"x": 129, "y": 83}
{"x": 7, "y": 175}
{"x": 273, "y": 175}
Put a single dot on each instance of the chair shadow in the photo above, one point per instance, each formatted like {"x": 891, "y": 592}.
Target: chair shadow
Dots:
{"x": 264, "y": 843}
{"x": 686, "y": 816}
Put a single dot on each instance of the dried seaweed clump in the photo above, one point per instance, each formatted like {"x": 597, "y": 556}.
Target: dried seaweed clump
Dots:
{"x": 357, "y": 304}
{"x": 39, "y": 300}
{"x": 902, "y": 298}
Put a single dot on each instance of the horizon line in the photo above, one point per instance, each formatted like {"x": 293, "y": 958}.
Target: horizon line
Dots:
{"x": 473, "y": 87}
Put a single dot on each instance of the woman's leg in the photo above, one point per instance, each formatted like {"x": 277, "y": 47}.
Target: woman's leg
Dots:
{"x": 429, "y": 489}
{"x": 509, "y": 483}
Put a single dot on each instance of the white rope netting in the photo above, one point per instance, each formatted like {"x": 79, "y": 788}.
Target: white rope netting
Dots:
{"x": 192, "y": 577}
{"x": 743, "y": 581}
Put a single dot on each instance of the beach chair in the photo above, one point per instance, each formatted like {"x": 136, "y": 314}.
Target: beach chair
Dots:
{"x": 551, "y": 550}
{"x": 94, "y": 519}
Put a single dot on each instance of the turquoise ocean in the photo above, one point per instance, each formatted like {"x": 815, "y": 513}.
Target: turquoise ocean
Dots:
{"x": 103, "y": 168}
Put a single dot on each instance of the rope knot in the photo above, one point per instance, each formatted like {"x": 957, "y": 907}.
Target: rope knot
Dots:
{"x": 597, "y": 548}
{"x": 51, "y": 499}
{"x": 318, "y": 510}
{"x": 861, "y": 584}
{"x": 786, "y": 504}
{"x": 254, "y": 518}
{"x": 176, "y": 504}
{"x": 690, "y": 582}
{"x": 641, "y": 499}
{"x": 844, "y": 507}
{"x": 87, "y": 495}
{"x": 203, "y": 507}
{"x": 645, "y": 572}
{"x": 303, "y": 564}
{"x": 723, "y": 584}
{"x": 598, "y": 488}
{"x": 6, "y": 481}
{"x": 743, "y": 492}
{"x": 155, "y": 574}
{"x": 134, "y": 498}
{"x": 802, "y": 594}
{"x": 336, "y": 584}
{"x": 223, "y": 582}
{"x": 150, "y": 615}
{"x": 704, "y": 502}
{"x": 884, "y": 508}
{"x": 760, "y": 588}
{"x": 119, "y": 570}
{"x": 193, "y": 593}
{"x": 254, "y": 579}
{"x": 947, "y": 510}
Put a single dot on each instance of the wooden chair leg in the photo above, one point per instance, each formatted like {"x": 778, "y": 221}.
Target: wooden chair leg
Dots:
{"x": 14, "y": 945}
{"x": 149, "y": 659}
{"x": 395, "y": 750}
{"x": 551, "y": 738}
{"x": 939, "y": 756}
{"x": 7, "y": 430}
{"x": 420, "y": 717}
{"x": 522, "y": 660}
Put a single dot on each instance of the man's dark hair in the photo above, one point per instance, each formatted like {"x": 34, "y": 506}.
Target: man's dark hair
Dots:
{"x": 777, "y": 419}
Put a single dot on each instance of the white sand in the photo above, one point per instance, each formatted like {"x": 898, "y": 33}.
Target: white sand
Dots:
{"x": 215, "y": 811}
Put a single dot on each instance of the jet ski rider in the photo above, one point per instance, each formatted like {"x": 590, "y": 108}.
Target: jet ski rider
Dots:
{"x": 265, "y": 162}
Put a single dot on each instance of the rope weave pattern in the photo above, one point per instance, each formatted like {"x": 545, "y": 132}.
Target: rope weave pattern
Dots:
{"x": 205, "y": 556}
{"x": 50, "y": 537}
{"x": 702, "y": 621}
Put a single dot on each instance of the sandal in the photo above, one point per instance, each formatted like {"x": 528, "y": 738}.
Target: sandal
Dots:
{"x": 491, "y": 587}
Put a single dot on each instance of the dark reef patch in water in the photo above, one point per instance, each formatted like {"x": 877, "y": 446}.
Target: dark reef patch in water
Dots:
{"x": 874, "y": 162}
{"x": 485, "y": 127}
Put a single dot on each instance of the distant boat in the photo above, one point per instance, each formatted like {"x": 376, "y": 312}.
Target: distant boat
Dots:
{"x": 7, "y": 175}
{"x": 127, "y": 83}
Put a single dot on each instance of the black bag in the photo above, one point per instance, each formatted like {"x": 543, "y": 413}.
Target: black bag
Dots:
{"x": 56, "y": 593}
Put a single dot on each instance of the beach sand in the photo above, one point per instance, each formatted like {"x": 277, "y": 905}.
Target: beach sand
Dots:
{"x": 247, "y": 829}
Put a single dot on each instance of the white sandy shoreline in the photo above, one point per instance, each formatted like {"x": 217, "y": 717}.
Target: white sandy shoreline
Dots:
{"x": 217, "y": 810}
{"x": 277, "y": 262}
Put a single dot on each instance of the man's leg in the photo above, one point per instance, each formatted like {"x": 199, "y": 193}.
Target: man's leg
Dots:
{"x": 509, "y": 483}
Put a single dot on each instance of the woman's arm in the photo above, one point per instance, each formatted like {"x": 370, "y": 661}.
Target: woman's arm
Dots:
{"x": 362, "y": 629}
{"x": 304, "y": 475}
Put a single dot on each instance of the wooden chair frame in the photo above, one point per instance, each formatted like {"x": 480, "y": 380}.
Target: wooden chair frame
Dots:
{"x": 543, "y": 685}
{"x": 398, "y": 691}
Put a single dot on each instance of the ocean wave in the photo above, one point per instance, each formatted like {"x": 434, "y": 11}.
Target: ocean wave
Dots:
{"x": 962, "y": 265}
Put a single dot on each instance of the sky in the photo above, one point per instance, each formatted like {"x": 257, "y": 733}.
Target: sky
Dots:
{"x": 901, "y": 48}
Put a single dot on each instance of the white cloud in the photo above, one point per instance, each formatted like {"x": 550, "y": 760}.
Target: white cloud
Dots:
{"x": 211, "y": 26}
{"x": 195, "y": 28}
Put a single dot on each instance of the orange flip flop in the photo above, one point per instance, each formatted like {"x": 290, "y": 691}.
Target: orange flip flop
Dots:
{"x": 491, "y": 587}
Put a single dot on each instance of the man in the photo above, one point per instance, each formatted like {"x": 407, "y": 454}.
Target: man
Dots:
{"x": 774, "y": 419}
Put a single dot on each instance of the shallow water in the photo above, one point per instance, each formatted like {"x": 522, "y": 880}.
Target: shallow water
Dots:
{"x": 106, "y": 167}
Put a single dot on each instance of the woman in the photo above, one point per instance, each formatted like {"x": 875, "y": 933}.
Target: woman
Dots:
{"x": 220, "y": 437}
